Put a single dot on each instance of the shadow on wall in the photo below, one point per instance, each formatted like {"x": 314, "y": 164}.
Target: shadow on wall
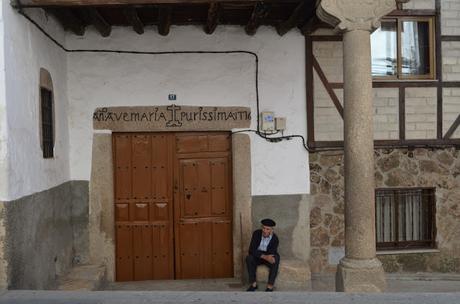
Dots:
{"x": 291, "y": 227}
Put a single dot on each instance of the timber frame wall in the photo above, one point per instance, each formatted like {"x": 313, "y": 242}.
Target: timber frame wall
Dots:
{"x": 441, "y": 139}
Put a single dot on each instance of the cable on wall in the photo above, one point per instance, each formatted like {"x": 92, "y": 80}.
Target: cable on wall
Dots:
{"x": 267, "y": 136}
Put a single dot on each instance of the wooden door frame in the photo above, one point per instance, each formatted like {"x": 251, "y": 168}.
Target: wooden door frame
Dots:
{"x": 101, "y": 211}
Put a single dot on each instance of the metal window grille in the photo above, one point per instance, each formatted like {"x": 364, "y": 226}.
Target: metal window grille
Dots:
{"x": 405, "y": 218}
{"x": 47, "y": 123}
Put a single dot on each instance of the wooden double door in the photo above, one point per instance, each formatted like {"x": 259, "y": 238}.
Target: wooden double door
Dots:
{"x": 173, "y": 206}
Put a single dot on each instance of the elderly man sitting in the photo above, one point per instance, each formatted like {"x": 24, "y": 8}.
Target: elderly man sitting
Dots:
{"x": 263, "y": 250}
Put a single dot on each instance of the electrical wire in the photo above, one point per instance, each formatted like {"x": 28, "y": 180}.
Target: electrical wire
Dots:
{"x": 256, "y": 58}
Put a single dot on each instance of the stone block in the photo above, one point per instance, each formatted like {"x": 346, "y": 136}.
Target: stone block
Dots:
{"x": 359, "y": 276}
{"x": 292, "y": 275}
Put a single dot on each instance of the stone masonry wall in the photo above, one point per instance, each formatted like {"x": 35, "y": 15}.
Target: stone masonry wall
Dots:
{"x": 421, "y": 167}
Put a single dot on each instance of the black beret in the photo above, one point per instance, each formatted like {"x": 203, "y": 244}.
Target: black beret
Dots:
{"x": 268, "y": 222}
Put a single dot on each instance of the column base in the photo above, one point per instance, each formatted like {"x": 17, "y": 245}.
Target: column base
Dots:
{"x": 360, "y": 276}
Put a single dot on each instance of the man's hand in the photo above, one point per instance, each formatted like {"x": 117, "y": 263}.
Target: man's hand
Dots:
{"x": 269, "y": 258}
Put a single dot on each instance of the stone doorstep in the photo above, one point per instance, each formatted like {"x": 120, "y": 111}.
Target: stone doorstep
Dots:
{"x": 293, "y": 275}
{"x": 83, "y": 277}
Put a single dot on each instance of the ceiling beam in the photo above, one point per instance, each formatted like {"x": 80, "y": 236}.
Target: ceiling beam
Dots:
{"x": 133, "y": 18}
{"x": 68, "y": 20}
{"x": 297, "y": 15}
{"x": 101, "y": 25}
{"x": 213, "y": 18}
{"x": 259, "y": 13}
{"x": 164, "y": 20}
{"x": 43, "y": 3}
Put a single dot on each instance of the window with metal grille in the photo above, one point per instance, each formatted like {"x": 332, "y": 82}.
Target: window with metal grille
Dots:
{"x": 47, "y": 122}
{"x": 405, "y": 218}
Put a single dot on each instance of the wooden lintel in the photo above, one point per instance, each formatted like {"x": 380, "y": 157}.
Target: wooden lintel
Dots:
{"x": 133, "y": 18}
{"x": 164, "y": 20}
{"x": 68, "y": 20}
{"x": 213, "y": 18}
{"x": 43, "y": 3}
{"x": 99, "y": 22}
{"x": 259, "y": 13}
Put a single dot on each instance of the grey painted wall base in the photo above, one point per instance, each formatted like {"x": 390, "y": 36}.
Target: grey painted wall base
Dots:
{"x": 42, "y": 235}
{"x": 291, "y": 214}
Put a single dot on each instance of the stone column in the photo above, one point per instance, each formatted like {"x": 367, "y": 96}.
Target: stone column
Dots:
{"x": 359, "y": 270}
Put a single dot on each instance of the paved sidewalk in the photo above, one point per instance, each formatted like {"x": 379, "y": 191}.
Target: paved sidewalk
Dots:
{"x": 167, "y": 297}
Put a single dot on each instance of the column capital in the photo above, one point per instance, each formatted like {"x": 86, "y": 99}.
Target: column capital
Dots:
{"x": 346, "y": 15}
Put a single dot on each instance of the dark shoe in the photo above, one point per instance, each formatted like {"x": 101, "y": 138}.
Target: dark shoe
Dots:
{"x": 251, "y": 288}
{"x": 269, "y": 289}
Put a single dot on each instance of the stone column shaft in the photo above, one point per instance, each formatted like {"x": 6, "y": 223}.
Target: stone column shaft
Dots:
{"x": 359, "y": 270}
{"x": 359, "y": 146}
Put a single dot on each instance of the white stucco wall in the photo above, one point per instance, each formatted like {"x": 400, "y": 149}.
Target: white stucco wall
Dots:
{"x": 3, "y": 133}
{"x": 26, "y": 51}
{"x": 96, "y": 80}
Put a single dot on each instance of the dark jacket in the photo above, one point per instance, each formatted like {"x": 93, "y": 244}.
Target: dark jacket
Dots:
{"x": 272, "y": 247}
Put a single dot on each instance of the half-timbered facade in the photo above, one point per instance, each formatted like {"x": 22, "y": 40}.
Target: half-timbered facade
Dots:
{"x": 148, "y": 138}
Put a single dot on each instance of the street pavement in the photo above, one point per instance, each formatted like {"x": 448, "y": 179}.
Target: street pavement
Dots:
{"x": 171, "y": 297}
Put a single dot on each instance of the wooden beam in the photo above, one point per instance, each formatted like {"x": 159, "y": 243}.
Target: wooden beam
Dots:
{"x": 164, "y": 20}
{"x": 259, "y": 13}
{"x": 293, "y": 20}
{"x": 438, "y": 71}
{"x": 402, "y": 113}
{"x": 309, "y": 85}
{"x": 98, "y": 21}
{"x": 328, "y": 87}
{"x": 452, "y": 128}
{"x": 133, "y": 18}
{"x": 43, "y": 3}
{"x": 68, "y": 19}
{"x": 312, "y": 25}
{"x": 213, "y": 18}
{"x": 450, "y": 38}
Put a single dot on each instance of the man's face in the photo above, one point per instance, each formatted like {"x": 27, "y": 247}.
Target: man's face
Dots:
{"x": 266, "y": 231}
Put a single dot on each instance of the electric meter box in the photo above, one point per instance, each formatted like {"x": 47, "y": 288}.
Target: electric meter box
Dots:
{"x": 267, "y": 121}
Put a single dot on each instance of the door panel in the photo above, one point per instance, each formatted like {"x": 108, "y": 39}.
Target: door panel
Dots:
{"x": 122, "y": 148}
{"x": 161, "y": 167}
{"x": 124, "y": 253}
{"x": 203, "y": 218}
{"x": 143, "y": 201}
{"x": 190, "y": 251}
{"x": 142, "y": 244}
{"x": 161, "y": 253}
{"x": 219, "y": 187}
{"x": 140, "y": 212}
{"x": 141, "y": 161}
{"x": 222, "y": 249}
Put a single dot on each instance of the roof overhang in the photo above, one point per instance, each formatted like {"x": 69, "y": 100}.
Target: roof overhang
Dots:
{"x": 76, "y": 15}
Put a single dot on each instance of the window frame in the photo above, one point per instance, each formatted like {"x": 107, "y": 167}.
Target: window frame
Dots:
{"x": 432, "y": 49}
{"x": 46, "y": 84}
{"x": 408, "y": 245}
